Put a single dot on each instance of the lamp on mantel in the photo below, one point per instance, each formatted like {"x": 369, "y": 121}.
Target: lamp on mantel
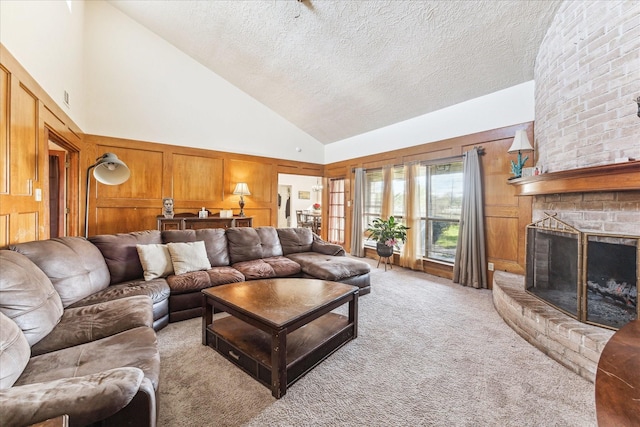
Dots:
{"x": 520, "y": 143}
{"x": 109, "y": 170}
{"x": 242, "y": 189}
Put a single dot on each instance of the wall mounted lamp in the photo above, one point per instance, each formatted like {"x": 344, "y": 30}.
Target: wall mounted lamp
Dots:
{"x": 108, "y": 170}
{"x": 242, "y": 189}
{"x": 520, "y": 143}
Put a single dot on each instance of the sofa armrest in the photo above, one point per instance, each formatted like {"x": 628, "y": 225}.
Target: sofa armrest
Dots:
{"x": 93, "y": 322}
{"x": 326, "y": 248}
{"x": 85, "y": 399}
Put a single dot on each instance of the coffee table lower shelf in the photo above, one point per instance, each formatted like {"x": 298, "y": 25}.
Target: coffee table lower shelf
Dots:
{"x": 250, "y": 348}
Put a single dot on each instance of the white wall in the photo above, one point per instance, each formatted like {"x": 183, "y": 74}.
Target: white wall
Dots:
{"x": 141, "y": 87}
{"x": 503, "y": 108}
{"x": 46, "y": 37}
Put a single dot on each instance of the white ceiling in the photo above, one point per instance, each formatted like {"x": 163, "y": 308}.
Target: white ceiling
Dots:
{"x": 336, "y": 69}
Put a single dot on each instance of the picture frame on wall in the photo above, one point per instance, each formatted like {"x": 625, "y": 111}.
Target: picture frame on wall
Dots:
{"x": 304, "y": 195}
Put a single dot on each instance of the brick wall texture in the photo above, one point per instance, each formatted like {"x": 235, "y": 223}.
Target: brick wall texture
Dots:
{"x": 587, "y": 76}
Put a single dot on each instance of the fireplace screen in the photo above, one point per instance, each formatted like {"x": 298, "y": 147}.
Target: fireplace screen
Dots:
{"x": 592, "y": 277}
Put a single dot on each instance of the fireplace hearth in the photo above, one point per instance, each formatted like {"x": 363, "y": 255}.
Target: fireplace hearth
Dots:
{"x": 592, "y": 277}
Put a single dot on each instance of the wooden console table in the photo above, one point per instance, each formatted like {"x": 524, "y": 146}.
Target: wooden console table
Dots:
{"x": 618, "y": 379}
{"x": 195, "y": 223}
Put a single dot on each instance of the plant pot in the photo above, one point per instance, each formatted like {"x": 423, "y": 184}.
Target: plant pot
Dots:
{"x": 384, "y": 250}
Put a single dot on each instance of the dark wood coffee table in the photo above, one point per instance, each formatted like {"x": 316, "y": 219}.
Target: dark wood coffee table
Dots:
{"x": 279, "y": 329}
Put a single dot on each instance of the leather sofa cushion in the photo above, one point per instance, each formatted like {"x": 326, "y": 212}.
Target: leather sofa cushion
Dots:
{"x": 27, "y": 296}
{"x": 215, "y": 240}
{"x": 270, "y": 242}
{"x": 75, "y": 266}
{"x": 327, "y": 267}
{"x": 120, "y": 253}
{"x": 14, "y": 352}
{"x": 295, "y": 240}
{"x": 135, "y": 348}
{"x": 267, "y": 268}
{"x": 244, "y": 244}
{"x": 156, "y": 289}
{"x": 93, "y": 322}
{"x": 196, "y": 280}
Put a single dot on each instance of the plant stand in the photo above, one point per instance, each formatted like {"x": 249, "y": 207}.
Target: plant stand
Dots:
{"x": 387, "y": 260}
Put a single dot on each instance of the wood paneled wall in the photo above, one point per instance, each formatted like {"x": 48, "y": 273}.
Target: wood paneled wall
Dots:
{"x": 506, "y": 215}
{"x": 195, "y": 178}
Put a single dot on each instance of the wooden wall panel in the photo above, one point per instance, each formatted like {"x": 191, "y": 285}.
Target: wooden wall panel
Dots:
{"x": 110, "y": 220}
{"x": 257, "y": 175}
{"x": 23, "y": 141}
{"x": 4, "y": 131}
{"x": 4, "y": 231}
{"x": 261, "y": 217}
{"x": 146, "y": 168}
{"x": 28, "y": 224}
{"x": 502, "y": 238}
{"x": 198, "y": 178}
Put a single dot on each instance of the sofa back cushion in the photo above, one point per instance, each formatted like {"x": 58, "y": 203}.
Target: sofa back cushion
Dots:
{"x": 14, "y": 352}
{"x": 270, "y": 242}
{"x": 295, "y": 240}
{"x": 244, "y": 244}
{"x": 215, "y": 241}
{"x": 27, "y": 296}
{"x": 121, "y": 255}
{"x": 75, "y": 266}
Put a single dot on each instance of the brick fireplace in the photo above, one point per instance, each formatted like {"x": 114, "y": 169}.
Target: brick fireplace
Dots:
{"x": 587, "y": 133}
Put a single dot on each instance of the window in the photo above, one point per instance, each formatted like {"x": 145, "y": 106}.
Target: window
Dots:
{"x": 443, "y": 207}
{"x": 336, "y": 211}
{"x": 440, "y": 188}
{"x": 374, "y": 196}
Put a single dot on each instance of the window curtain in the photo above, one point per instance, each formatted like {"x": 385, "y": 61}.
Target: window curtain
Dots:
{"x": 410, "y": 256}
{"x": 357, "y": 232}
{"x": 387, "y": 192}
{"x": 470, "y": 267}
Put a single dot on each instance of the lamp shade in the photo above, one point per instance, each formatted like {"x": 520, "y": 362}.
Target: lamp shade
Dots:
{"x": 520, "y": 142}
{"x": 110, "y": 170}
{"x": 242, "y": 189}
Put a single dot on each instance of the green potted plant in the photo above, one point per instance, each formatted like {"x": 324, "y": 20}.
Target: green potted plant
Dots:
{"x": 387, "y": 233}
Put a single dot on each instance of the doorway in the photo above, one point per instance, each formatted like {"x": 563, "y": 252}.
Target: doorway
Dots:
{"x": 63, "y": 199}
{"x": 57, "y": 191}
{"x": 284, "y": 206}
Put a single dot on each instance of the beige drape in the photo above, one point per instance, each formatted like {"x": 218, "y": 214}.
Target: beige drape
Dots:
{"x": 387, "y": 192}
{"x": 470, "y": 267}
{"x": 410, "y": 255}
{"x": 357, "y": 238}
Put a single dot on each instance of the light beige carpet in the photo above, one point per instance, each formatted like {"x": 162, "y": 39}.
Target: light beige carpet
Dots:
{"x": 428, "y": 353}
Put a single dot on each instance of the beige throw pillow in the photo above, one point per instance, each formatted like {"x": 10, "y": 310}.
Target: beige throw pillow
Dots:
{"x": 156, "y": 261}
{"x": 188, "y": 257}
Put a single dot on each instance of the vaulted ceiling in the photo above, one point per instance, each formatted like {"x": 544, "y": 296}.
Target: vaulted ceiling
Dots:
{"x": 336, "y": 69}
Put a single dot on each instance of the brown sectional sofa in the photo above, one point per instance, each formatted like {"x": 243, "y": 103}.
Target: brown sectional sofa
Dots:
{"x": 77, "y": 316}
{"x": 235, "y": 255}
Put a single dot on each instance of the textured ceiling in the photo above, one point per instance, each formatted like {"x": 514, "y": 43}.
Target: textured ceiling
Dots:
{"x": 337, "y": 69}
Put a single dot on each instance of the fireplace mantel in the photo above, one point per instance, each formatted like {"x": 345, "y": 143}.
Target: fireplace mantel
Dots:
{"x": 616, "y": 177}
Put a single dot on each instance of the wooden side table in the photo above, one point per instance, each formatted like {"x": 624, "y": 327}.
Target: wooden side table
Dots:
{"x": 61, "y": 421}
{"x": 618, "y": 379}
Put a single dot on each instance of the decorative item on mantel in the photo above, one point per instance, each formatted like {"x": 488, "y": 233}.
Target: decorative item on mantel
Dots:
{"x": 520, "y": 143}
{"x": 242, "y": 189}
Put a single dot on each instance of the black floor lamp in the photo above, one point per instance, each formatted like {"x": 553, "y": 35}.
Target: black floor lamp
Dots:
{"x": 108, "y": 170}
